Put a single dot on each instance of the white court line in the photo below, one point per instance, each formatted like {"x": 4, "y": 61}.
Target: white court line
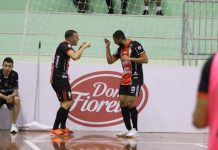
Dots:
{"x": 139, "y": 142}
{"x": 33, "y": 146}
{"x": 200, "y": 145}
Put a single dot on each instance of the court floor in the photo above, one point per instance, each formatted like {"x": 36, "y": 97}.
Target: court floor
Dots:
{"x": 87, "y": 140}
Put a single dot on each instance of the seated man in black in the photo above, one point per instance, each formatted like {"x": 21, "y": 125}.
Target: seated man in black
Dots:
{"x": 9, "y": 91}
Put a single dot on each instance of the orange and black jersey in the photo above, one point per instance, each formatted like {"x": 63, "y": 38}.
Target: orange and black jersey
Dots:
{"x": 131, "y": 70}
{"x": 61, "y": 62}
{"x": 8, "y": 84}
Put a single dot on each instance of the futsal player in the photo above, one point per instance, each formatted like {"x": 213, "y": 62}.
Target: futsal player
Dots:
{"x": 60, "y": 78}
{"x": 132, "y": 57}
{"x": 206, "y": 111}
{"x": 9, "y": 91}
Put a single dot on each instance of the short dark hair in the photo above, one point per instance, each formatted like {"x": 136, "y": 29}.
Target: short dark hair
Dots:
{"x": 8, "y": 60}
{"x": 69, "y": 33}
{"x": 119, "y": 35}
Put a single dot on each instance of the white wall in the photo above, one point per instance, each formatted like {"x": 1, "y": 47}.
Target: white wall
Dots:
{"x": 172, "y": 96}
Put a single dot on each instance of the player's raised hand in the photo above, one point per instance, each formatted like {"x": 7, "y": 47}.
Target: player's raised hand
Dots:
{"x": 86, "y": 45}
{"x": 82, "y": 44}
{"x": 107, "y": 43}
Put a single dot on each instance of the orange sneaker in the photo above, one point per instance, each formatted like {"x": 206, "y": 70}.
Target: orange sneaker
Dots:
{"x": 66, "y": 131}
{"x": 57, "y": 132}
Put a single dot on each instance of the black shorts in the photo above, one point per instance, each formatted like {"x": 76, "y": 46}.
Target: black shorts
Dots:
{"x": 63, "y": 90}
{"x": 10, "y": 106}
{"x": 131, "y": 90}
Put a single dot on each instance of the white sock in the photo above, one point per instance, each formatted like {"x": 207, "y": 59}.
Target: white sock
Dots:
{"x": 159, "y": 8}
{"x": 146, "y": 8}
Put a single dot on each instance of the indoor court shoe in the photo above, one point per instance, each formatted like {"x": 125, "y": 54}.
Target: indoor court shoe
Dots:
{"x": 57, "y": 132}
{"x": 122, "y": 134}
{"x": 159, "y": 13}
{"x": 66, "y": 131}
{"x": 14, "y": 128}
{"x": 132, "y": 133}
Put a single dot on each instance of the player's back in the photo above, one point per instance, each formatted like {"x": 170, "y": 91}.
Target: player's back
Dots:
{"x": 61, "y": 61}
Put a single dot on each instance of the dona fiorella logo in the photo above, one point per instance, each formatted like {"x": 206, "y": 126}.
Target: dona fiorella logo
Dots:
{"x": 96, "y": 99}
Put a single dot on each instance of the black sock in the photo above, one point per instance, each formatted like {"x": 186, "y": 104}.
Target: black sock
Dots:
{"x": 64, "y": 119}
{"x": 134, "y": 117}
{"x": 59, "y": 118}
{"x": 126, "y": 117}
{"x": 109, "y": 4}
{"x": 124, "y": 4}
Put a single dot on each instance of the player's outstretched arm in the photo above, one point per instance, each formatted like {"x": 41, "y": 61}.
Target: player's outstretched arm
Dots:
{"x": 75, "y": 55}
{"x": 110, "y": 59}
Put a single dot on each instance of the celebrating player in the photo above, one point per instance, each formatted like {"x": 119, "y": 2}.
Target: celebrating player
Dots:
{"x": 132, "y": 57}
{"x": 60, "y": 78}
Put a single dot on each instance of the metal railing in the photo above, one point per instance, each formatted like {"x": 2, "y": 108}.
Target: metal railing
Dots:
{"x": 199, "y": 30}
